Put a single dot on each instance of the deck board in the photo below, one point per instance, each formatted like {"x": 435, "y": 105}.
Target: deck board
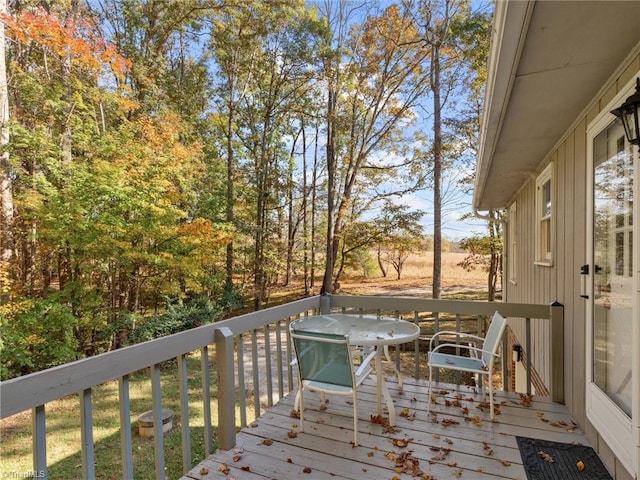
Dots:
{"x": 472, "y": 446}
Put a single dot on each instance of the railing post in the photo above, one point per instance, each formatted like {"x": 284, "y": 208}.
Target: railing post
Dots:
{"x": 226, "y": 388}
{"x": 325, "y": 303}
{"x": 39, "y": 440}
{"x": 557, "y": 352}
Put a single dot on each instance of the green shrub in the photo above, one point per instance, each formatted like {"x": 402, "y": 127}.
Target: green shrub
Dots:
{"x": 36, "y": 334}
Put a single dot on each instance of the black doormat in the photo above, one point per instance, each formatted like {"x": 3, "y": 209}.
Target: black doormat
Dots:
{"x": 569, "y": 461}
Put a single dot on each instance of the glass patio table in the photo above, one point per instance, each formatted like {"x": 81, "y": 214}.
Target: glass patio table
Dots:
{"x": 367, "y": 331}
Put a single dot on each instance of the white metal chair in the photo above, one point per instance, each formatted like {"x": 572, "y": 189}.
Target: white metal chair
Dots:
{"x": 325, "y": 365}
{"x": 480, "y": 360}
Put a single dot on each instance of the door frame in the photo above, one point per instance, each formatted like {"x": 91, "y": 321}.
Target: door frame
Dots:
{"x": 612, "y": 424}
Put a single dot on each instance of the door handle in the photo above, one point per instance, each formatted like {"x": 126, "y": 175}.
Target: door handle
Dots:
{"x": 584, "y": 274}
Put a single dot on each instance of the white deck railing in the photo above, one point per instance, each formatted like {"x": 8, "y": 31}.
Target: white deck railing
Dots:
{"x": 242, "y": 366}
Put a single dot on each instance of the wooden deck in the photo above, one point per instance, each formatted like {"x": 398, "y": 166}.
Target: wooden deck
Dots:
{"x": 462, "y": 442}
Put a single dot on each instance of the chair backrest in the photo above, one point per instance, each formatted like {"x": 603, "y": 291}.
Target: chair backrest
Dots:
{"x": 493, "y": 337}
{"x": 323, "y": 357}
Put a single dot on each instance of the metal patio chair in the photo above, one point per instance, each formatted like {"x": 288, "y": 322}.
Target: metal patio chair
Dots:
{"x": 325, "y": 365}
{"x": 481, "y": 356}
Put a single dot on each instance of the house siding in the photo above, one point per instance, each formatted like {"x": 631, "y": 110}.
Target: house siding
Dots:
{"x": 561, "y": 281}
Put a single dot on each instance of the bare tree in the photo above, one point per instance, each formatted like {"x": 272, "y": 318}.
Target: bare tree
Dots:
{"x": 6, "y": 187}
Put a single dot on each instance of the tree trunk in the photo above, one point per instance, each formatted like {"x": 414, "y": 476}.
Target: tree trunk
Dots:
{"x": 327, "y": 282}
{"x": 6, "y": 186}
{"x": 380, "y": 263}
{"x": 437, "y": 171}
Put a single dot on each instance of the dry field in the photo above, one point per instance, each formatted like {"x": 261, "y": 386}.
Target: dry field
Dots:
{"x": 417, "y": 278}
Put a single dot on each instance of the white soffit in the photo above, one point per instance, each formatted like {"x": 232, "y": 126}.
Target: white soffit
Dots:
{"x": 548, "y": 60}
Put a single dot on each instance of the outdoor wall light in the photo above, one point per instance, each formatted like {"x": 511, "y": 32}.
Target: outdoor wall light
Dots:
{"x": 628, "y": 113}
{"x": 516, "y": 353}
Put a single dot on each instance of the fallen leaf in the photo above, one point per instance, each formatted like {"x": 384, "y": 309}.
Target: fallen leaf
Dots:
{"x": 449, "y": 421}
{"x": 292, "y": 434}
{"x": 306, "y": 470}
{"x": 237, "y": 458}
{"x": 267, "y": 441}
{"x": 401, "y": 442}
{"x": 295, "y": 414}
{"x": 546, "y": 457}
{"x": 246, "y": 468}
{"x": 506, "y": 463}
{"x": 477, "y": 421}
{"x": 580, "y": 465}
{"x": 452, "y": 463}
{"x": 379, "y": 420}
{"x": 409, "y": 464}
{"x": 224, "y": 468}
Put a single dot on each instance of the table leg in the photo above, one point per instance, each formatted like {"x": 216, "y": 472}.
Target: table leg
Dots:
{"x": 383, "y": 391}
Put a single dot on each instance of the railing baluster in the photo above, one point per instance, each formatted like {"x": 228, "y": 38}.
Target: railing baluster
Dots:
{"x": 290, "y": 383}
{"x": 86, "y": 435}
{"x": 242, "y": 391}
{"x": 279, "y": 360}
{"x": 436, "y": 328}
{"x": 158, "y": 436}
{"x": 506, "y": 362}
{"x": 125, "y": 428}
{"x": 527, "y": 337}
{"x": 184, "y": 413}
{"x": 39, "y": 439}
{"x": 206, "y": 400}
{"x": 267, "y": 361}
{"x": 416, "y": 347}
{"x": 256, "y": 373}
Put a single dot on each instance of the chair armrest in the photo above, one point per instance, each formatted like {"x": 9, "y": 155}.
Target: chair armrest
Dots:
{"x": 365, "y": 362}
{"x": 455, "y": 334}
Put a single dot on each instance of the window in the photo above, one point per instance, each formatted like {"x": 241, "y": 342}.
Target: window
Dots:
{"x": 513, "y": 244}
{"x": 544, "y": 217}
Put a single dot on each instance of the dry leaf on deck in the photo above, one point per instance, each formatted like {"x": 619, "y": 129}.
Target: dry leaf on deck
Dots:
{"x": 267, "y": 441}
{"x": 292, "y": 434}
{"x": 401, "y": 442}
{"x": 378, "y": 419}
{"x": 546, "y": 457}
{"x": 449, "y": 421}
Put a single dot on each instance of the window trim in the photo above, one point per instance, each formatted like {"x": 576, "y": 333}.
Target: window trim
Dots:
{"x": 545, "y": 236}
{"x": 512, "y": 238}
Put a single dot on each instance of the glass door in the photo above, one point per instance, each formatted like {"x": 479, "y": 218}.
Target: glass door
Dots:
{"x": 613, "y": 267}
{"x": 613, "y": 368}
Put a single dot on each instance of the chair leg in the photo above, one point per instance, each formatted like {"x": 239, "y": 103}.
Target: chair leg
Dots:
{"x": 429, "y": 390}
{"x": 355, "y": 418}
{"x": 490, "y": 387}
{"x": 301, "y": 408}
